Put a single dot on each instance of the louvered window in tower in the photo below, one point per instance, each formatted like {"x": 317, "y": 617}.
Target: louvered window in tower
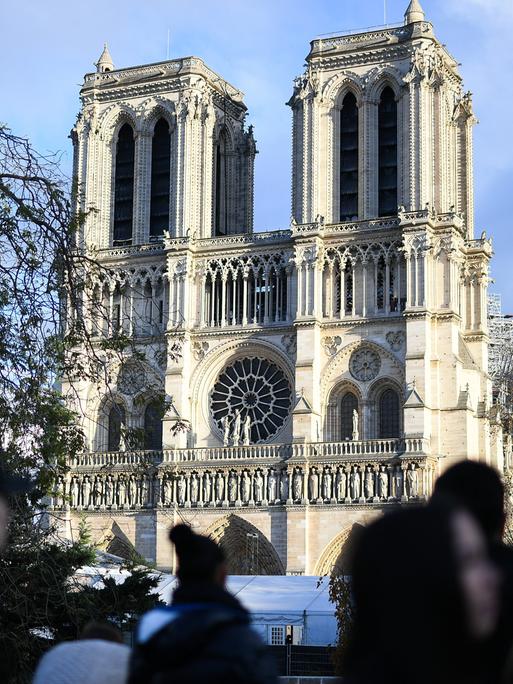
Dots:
{"x": 349, "y": 159}
{"x": 387, "y": 153}
{"x": 160, "y": 178}
{"x": 221, "y": 187}
{"x": 124, "y": 186}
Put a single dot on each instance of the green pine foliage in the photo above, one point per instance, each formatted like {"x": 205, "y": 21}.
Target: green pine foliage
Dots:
{"x": 43, "y": 273}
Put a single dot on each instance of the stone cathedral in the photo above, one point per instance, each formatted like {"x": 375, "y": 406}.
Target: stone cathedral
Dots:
{"x": 313, "y": 376}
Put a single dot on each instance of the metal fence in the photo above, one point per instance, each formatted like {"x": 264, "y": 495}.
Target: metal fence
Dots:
{"x": 304, "y": 661}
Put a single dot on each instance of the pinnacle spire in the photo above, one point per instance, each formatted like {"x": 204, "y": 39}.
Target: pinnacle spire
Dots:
{"x": 414, "y": 12}
{"x": 105, "y": 62}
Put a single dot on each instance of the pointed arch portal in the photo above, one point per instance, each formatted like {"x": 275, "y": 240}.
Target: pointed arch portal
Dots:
{"x": 248, "y": 551}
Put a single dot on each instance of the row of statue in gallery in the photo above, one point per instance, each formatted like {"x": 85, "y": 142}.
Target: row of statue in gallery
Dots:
{"x": 351, "y": 484}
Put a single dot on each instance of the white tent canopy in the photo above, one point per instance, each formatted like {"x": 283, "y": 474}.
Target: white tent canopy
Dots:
{"x": 280, "y": 601}
{"x": 276, "y": 602}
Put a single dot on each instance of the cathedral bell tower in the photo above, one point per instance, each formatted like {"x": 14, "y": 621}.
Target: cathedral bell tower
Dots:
{"x": 170, "y": 153}
{"x": 382, "y": 150}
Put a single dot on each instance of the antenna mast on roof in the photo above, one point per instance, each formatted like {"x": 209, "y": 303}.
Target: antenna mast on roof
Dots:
{"x": 385, "y": 12}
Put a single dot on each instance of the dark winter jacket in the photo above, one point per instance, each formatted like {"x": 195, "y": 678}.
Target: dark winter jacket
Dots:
{"x": 203, "y": 637}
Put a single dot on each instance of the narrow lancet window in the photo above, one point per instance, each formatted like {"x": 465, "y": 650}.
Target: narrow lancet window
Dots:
{"x": 153, "y": 426}
{"x": 349, "y": 159}
{"x": 124, "y": 186}
{"x": 221, "y": 187}
{"x": 160, "y": 178}
{"x": 389, "y": 420}
{"x": 387, "y": 153}
{"x": 116, "y": 425}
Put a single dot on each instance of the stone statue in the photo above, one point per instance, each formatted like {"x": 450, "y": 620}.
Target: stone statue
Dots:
{"x": 219, "y": 487}
{"x": 145, "y": 490}
{"x": 297, "y": 485}
{"x": 383, "y": 483}
{"x": 237, "y": 425}
{"x": 412, "y": 482}
{"x": 272, "y": 486}
{"x": 96, "y": 498}
{"x": 340, "y": 484}
{"x": 194, "y": 488}
{"x": 356, "y": 426}
{"x": 59, "y": 493}
{"x": 313, "y": 485}
{"x": 122, "y": 439}
{"x": 180, "y": 488}
{"x": 232, "y": 487}
{"x": 326, "y": 484}
{"x": 156, "y": 490}
{"x": 284, "y": 486}
{"x": 354, "y": 483}
{"x": 86, "y": 492}
{"x": 75, "y": 493}
{"x": 168, "y": 491}
{"x": 226, "y": 430}
{"x": 121, "y": 491}
{"x": 247, "y": 431}
{"x": 258, "y": 484}
{"x": 398, "y": 482}
{"x": 132, "y": 491}
{"x": 246, "y": 487}
{"x": 109, "y": 491}
{"x": 207, "y": 488}
{"x": 369, "y": 482}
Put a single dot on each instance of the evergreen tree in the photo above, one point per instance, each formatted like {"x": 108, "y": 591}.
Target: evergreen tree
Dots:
{"x": 43, "y": 336}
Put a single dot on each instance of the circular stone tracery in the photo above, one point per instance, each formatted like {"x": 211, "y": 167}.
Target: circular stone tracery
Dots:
{"x": 255, "y": 387}
{"x": 364, "y": 364}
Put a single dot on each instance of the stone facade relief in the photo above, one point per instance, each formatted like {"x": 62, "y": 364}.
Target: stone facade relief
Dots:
{"x": 370, "y": 482}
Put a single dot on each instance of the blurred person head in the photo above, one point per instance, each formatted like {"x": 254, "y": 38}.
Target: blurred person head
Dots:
{"x": 199, "y": 558}
{"x": 424, "y": 592}
{"x": 101, "y": 630}
{"x": 478, "y": 488}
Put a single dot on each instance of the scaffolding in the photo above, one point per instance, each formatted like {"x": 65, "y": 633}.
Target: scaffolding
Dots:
{"x": 500, "y": 354}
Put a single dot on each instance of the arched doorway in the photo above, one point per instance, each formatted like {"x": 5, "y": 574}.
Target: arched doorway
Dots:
{"x": 336, "y": 557}
{"x": 248, "y": 551}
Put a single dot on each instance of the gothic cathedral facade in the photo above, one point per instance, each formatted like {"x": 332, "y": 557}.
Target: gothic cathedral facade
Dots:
{"x": 312, "y": 376}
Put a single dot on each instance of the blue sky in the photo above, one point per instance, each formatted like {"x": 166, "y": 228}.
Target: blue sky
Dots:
{"x": 46, "y": 48}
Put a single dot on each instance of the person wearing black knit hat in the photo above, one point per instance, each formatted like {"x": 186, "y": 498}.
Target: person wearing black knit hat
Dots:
{"x": 205, "y": 634}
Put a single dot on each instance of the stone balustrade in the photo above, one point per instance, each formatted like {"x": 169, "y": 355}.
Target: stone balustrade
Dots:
{"x": 310, "y": 452}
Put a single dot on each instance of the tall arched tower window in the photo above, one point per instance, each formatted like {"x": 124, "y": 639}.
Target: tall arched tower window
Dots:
{"x": 389, "y": 422}
{"x": 117, "y": 421}
{"x": 124, "y": 186}
{"x": 221, "y": 186}
{"x": 160, "y": 178}
{"x": 153, "y": 426}
{"x": 349, "y": 158}
{"x": 387, "y": 153}
{"x": 348, "y": 404}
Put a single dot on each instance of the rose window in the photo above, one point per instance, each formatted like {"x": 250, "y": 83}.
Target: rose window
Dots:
{"x": 251, "y": 387}
{"x": 364, "y": 364}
